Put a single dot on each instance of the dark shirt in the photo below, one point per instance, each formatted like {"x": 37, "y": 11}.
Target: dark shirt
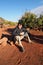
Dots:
{"x": 17, "y": 31}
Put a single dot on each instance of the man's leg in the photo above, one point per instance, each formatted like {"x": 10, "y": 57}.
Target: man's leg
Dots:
{"x": 18, "y": 42}
{"x": 26, "y": 35}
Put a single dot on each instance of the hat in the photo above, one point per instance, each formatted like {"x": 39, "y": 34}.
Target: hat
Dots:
{"x": 20, "y": 23}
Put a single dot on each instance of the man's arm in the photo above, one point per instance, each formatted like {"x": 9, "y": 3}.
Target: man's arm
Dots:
{"x": 14, "y": 32}
{"x": 26, "y": 31}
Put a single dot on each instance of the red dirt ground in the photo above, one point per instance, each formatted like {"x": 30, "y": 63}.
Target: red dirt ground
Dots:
{"x": 33, "y": 55}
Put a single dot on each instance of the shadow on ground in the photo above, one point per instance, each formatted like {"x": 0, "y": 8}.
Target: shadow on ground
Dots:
{"x": 37, "y": 38}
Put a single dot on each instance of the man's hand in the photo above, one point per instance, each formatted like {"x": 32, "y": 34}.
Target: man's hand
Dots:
{"x": 22, "y": 33}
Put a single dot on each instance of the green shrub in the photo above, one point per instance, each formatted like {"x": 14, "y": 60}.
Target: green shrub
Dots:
{"x": 30, "y": 20}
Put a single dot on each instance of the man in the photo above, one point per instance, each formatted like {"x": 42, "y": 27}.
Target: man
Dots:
{"x": 19, "y": 33}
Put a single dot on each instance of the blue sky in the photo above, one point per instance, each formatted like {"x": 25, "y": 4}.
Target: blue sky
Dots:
{"x": 13, "y": 9}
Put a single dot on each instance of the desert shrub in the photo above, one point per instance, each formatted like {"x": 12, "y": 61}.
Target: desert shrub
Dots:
{"x": 30, "y": 20}
{"x": 10, "y": 23}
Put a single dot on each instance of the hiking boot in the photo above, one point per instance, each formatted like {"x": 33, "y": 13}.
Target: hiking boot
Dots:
{"x": 22, "y": 49}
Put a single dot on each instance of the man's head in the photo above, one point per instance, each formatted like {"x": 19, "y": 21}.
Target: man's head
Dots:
{"x": 19, "y": 25}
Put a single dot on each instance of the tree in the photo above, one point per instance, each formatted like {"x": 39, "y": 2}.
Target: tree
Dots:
{"x": 28, "y": 19}
{"x": 40, "y": 22}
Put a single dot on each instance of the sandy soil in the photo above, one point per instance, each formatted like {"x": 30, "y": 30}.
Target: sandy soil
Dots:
{"x": 11, "y": 55}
